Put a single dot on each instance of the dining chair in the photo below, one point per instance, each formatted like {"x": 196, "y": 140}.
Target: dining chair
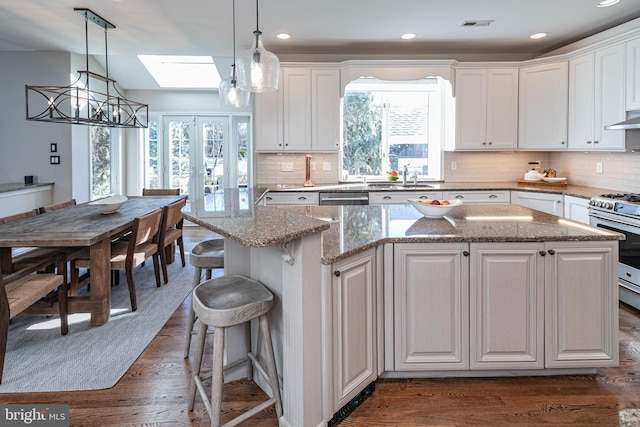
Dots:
{"x": 142, "y": 244}
{"x": 57, "y": 206}
{"x": 171, "y": 231}
{"x": 19, "y": 292}
{"x": 160, "y": 191}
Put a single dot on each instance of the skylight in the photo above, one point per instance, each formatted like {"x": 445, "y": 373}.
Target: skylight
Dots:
{"x": 187, "y": 72}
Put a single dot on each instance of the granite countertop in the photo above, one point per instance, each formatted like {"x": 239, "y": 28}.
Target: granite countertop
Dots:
{"x": 348, "y": 230}
{"x": 18, "y": 186}
{"x": 569, "y": 190}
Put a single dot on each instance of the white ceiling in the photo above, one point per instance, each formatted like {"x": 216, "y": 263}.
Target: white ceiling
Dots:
{"x": 322, "y": 30}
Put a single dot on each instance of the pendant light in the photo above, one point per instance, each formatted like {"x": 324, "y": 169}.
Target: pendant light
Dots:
{"x": 63, "y": 104}
{"x": 230, "y": 94}
{"x": 258, "y": 69}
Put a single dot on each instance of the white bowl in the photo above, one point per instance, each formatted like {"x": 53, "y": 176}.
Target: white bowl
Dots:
{"x": 554, "y": 179}
{"x": 109, "y": 205}
{"x": 433, "y": 211}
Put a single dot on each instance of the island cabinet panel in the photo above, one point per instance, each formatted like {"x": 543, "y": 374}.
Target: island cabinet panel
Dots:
{"x": 354, "y": 326}
{"x": 507, "y": 306}
{"x": 431, "y": 306}
{"x": 581, "y": 295}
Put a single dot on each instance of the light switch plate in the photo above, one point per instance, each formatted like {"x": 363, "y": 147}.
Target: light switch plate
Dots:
{"x": 326, "y": 166}
{"x": 599, "y": 167}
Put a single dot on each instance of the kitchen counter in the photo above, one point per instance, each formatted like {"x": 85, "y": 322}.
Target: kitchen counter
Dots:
{"x": 18, "y": 186}
{"x": 16, "y": 197}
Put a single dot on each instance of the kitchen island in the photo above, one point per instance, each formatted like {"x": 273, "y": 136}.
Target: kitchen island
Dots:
{"x": 370, "y": 291}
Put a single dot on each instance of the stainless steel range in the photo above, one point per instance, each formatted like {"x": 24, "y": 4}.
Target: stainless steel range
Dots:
{"x": 621, "y": 213}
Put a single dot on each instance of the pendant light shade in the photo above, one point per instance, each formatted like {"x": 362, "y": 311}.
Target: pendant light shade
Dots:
{"x": 230, "y": 94}
{"x": 258, "y": 69}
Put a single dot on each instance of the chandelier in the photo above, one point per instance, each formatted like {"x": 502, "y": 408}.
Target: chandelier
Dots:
{"x": 92, "y": 99}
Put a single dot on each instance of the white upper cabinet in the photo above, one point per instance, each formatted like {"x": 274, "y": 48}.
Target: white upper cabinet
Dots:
{"x": 486, "y": 109}
{"x": 543, "y": 106}
{"x": 596, "y": 99}
{"x": 303, "y": 115}
{"x": 633, "y": 75}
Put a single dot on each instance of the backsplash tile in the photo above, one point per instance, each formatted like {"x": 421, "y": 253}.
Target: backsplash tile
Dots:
{"x": 269, "y": 168}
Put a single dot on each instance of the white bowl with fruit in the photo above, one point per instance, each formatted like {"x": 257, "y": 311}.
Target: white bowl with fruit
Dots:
{"x": 434, "y": 208}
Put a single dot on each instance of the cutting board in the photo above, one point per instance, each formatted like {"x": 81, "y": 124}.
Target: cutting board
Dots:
{"x": 543, "y": 183}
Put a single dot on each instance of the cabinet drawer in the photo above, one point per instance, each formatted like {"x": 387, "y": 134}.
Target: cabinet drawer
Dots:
{"x": 291, "y": 198}
{"x": 400, "y": 197}
{"x": 476, "y": 197}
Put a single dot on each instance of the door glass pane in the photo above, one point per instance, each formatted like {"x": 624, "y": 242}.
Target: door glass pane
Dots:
{"x": 179, "y": 149}
{"x": 152, "y": 175}
{"x": 242, "y": 138}
{"x": 213, "y": 147}
{"x": 100, "y": 162}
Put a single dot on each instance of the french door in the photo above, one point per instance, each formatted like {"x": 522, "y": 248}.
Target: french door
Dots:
{"x": 199, "y": 154}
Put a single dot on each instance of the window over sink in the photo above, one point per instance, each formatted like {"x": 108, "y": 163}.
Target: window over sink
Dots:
{"x": 389, "y": 125}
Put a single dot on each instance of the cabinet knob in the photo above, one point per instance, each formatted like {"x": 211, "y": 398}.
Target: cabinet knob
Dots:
{"x": 484, "y": 143}
{"x": 336, "y": 273}
{"x": 465, "y": 253}
{"x": 490, "y": 142}
{"x": 459, "y": 196}
{"x": 562, "y": 142}
{"x": 551, "y": 252}
{"x": 302, "y": 198}
{"x": 387, "y": 197}
{"x": 542, "y": 253}
{"x": 269, "y": 198}
{"x": 493, "y": 196}
{"x": 423, "y": 197}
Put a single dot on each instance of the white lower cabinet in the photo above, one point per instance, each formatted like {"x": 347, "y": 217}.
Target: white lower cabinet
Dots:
{"x": 507, "y": 306}
{"x": 478, "y": 197}
{"x": 546, "y": 202}
{"x": 400, "y": 197}
{"x": 353, "y": 289}
{"x": 581, "y": 304}
{"x": 307, "y": 198}
{"x": 431, "y": 306}
{"x": 576, "y": 208}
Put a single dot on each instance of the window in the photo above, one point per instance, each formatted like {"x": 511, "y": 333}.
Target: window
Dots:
{"x": 101, "y": 166}
{"x": 389, "y": 125}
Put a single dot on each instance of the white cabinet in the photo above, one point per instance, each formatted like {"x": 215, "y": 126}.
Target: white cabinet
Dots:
{"x": 431, "y": 306}
{"x": 545, "y": 202}
{"x": 633, "y": 75}
{"x": 29, "y": 198}
{"x": 581, "y": 293}
{"x": 303, "y": 115}
{"x": 486, "y": 109}
{"x": 576, "y": 208}
{"x": 478, "y": 197}
{"x": 307, "y": 198}
{"x": 354, "y": 342}
{"x": 400, "y": 197}
{"x": 543, "y": 107}
{"x": 596, "y": 99}
{"x": 506, "y": 306}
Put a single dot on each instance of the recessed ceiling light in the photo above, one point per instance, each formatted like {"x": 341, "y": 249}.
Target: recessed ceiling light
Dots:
{"x": 283, "y": 36}
{"x": 606, "y": 3}
{"x": 408, "y": 36}
{"x": 538, "y": 35}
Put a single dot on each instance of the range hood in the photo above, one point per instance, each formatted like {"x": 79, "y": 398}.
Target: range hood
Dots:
{"x": 632, "y": 122}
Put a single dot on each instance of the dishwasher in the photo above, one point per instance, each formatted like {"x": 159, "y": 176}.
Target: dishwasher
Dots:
{"x": 344, "y": 198}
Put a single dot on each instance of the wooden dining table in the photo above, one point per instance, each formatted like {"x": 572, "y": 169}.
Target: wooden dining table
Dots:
{"x": 81, "y": 225}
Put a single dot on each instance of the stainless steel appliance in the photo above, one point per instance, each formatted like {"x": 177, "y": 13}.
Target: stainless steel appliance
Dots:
{"x": 621, "y": 213}
{"x": 344, "y": 198}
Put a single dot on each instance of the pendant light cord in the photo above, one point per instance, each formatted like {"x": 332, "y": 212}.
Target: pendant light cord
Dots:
{"x": 257, "y": 26}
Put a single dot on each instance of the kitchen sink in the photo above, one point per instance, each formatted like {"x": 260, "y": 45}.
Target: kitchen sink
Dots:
{"x": 399, "y": 186}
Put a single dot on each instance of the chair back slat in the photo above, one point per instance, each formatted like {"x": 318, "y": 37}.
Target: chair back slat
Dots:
{"x": 15, "y": 217}
{"x": 57, "y": 206}
{"x": 160, "y": 191}
{"x": 145, "y": 228}
{"x": 172, "y": 215}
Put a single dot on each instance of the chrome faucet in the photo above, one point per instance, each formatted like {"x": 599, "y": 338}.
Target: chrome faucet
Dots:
{"x": 405, "y": 170}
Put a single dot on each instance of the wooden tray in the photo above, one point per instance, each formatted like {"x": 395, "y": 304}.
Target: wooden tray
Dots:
{"x": 543, "y": 183}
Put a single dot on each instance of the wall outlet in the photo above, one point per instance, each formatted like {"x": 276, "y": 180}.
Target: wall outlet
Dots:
{"x": 599, "y": 167}
{"x": 287, "y": 167}
{"x": 454, "y": 166}
{"x": 313, "y": 166}
{"x": 326, "y": 166}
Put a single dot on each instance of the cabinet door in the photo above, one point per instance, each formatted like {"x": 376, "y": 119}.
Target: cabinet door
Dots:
{"x": 354, "y": 326}
{"x": 431, "y": 307}
{"x": 581, "y": 102}
{"x": 581, "y": 293}
{"x": 609, "y": 98}
{"x": 633, "y": 75}
{"x": 550, "y": 203}
{"x": 325, "y": 109}
{"x": 471, "y": 109}
{"x": 543, "y": 107}
{"x": 502, "y": 109}
{"x": 506, "y": 293}
{"x": 576, "y": 208}
{"x": 297, "y": 108}
{"x": 268, "y": 112}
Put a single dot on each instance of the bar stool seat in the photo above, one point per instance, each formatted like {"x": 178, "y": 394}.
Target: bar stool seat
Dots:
{"x": 222, "y": 303}
{"x": 206, "y": 255}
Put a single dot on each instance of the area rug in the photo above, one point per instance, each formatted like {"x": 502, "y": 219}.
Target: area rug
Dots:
{"x": 39, "y": 359}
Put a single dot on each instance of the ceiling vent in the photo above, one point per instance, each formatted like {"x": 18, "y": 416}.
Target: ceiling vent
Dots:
{"x": 477, "y": 23}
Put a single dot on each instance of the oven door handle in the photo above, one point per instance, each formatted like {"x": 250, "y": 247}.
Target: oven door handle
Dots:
{"x": 615, "y": 221}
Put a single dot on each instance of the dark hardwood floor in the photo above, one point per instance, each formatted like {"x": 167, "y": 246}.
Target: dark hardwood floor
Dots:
{"x": 154, "y": 391}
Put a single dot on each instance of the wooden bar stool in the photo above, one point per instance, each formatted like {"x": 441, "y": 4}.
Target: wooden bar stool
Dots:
{"x": 205, "y": 255}
{"x": 222, "y": 303}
